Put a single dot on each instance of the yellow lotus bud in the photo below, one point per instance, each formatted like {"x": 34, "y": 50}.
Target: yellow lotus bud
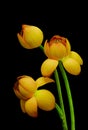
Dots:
{"x": 45, "y": 99}
{"x": 48, "y": 67}
{"x": 30, "y": 36}
{"x": 31, "y": 107}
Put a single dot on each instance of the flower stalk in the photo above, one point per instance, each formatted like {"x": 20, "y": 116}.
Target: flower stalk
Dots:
{"x": 69, "y": 95}
{"x": 64, "y": 122}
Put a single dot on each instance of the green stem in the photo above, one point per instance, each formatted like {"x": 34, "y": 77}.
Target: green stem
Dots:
{"x": 59, "y": 110}
{"x": 68, "y": 95}
{"x": 64, "y": 122}
{"x": 59, "y": 89}
{"x": 42, "y": 48}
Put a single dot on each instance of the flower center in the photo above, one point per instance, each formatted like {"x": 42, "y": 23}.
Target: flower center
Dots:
{"x": 58, "y": 39}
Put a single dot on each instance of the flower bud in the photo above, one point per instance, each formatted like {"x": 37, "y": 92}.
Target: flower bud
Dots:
{"x": 30, "y": 36}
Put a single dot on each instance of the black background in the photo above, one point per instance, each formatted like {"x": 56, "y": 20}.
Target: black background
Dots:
{"x": 65, "y": 19}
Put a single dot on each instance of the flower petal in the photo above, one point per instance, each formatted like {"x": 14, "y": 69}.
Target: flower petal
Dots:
{"x": 22, "y": 104}
{"x": 43, "y": 80}
{"x": 46, "y": 49}
{"x": 45, "y": 99}
{"x": 57, "y": 51}
{"x": 68, "y": 46}
{"x": 23, "y": 42}
{"x": 27, "y": 86}
{"x": 48, "y": 67}
{"x": 31, "y": 107}
{"x": 77, "y": 57}
{"x": 17, "y": 93}
{"x": 71, "y": 66}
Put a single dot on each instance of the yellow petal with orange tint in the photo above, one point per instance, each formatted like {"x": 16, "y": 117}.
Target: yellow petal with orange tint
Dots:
{"x": 71, "y": 66}
{"x": 27, "y": 86}
{"x": 77, "y": 57}
{"x": 43, "y": 80}
{"x": 23, "y": 42}
{"x": 68, "y": 46}
{"x": 57, "y": 51}
{"x": 25, "y": 93}
{"x": 31, "y": 107}
{"x": 46, "y": 49}
{"x": 22, "y": 104}
{"x": 45, "y": 99}
{"x": 17, "y": 92}
{"x": 48, "y": 67}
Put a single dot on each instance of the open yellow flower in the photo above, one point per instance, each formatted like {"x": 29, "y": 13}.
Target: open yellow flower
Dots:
{"x": 26, "y": 89}
{"x": 59, "y": 49}
{"x": 30, "y": 36}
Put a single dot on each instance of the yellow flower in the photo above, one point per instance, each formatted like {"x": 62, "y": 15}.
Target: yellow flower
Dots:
{"x": 30, "y": 36}
{"x": 26, "y": 89}
{"x": 59, "y": 48}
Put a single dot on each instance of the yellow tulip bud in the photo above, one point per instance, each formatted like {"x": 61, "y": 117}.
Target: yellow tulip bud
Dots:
{"x": 30, "y": 36}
